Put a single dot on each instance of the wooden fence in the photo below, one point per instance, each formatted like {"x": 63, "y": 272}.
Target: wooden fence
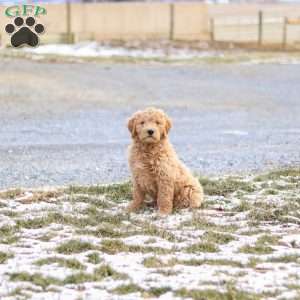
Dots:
{"x": 188, "y": 21}
{"x": 261, "y": 30}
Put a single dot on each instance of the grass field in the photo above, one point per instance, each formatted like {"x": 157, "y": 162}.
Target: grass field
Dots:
{"x": 78, "y": 243}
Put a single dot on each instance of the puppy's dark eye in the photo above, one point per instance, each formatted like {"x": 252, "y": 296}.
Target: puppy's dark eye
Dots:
{"x": 142, "y": 123}
{"x": 157, "y": 123}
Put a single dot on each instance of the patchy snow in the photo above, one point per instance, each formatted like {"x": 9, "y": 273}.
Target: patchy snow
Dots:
{"x": 235, "y": 132}
{"x": 281, "y": 60}
{"x": 94, "y": 49}
{"x": 157, "y": 52}
{"x": 176, "y": 264}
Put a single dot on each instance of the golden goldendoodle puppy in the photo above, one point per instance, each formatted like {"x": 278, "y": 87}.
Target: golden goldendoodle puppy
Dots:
{"x": 157, "y": 172}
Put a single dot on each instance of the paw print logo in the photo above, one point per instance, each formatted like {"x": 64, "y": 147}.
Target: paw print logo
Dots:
{"x": 24, "y": 33}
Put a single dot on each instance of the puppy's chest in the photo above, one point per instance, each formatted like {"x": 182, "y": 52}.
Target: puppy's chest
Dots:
{"x": 148, "y": 165}
{"x": 146, "y": 174}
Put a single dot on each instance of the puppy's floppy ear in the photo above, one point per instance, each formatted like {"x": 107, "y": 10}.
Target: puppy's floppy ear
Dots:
{"x": 168, "y": 125}
{"x": 131, "y": 125}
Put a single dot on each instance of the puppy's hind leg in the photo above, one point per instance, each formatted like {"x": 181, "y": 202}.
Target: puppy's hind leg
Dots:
{"x": 196, "y": 196}
{"x": 191, "y": 196}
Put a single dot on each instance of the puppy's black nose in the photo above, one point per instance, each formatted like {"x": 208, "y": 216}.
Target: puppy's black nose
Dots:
{"x": 150, "y": 131}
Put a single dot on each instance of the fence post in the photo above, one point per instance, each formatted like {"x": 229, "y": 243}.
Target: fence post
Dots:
{"x": 260, "y": 28}
{"x": 284, "y": 33}
{"x": 171, "y": 33}
{"x": 68, "y": 19}
{"x": 212, "y": 30}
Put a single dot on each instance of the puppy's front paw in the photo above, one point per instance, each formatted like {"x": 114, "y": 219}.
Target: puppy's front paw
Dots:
{"x": 132, "y": 207}
{"x": 164, "y": 212}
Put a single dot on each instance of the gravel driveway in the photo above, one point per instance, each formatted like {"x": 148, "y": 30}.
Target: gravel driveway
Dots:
{"x": 65, "y": 123}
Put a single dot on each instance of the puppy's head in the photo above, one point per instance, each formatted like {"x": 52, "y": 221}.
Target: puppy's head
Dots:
{"x": 149, "y": 126}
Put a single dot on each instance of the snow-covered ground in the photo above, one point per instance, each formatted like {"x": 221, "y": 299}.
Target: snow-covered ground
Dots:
{"x": 79, "y": 243}
{"x": 94, "y": 49}
{"x": 163, "y": 53}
